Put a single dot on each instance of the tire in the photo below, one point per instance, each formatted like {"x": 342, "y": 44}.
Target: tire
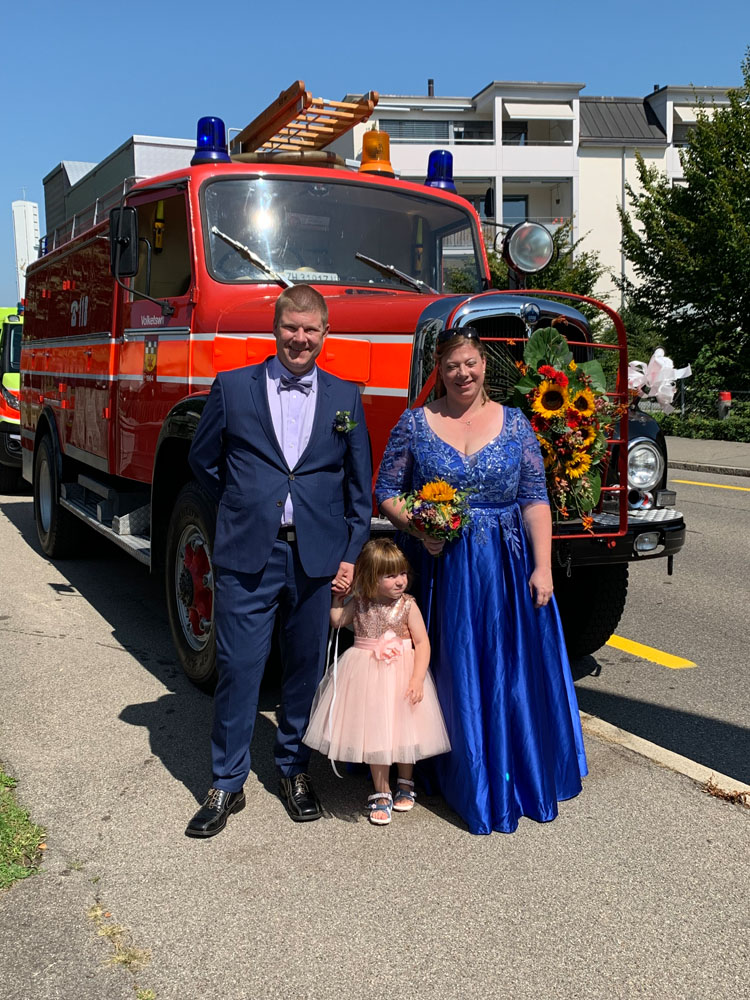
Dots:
{"x": 189, "y": 583}
{"x": 591, "y": 602}
{"x": 59, "y": 532}
{"x": 9, "y": 476}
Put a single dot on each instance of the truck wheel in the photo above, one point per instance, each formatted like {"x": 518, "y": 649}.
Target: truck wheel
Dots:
{"x": 9, "y": 476}
{"x": 591, "y": 602}
{"x": 59, "y": 531}
{"x": 190, "y": 584}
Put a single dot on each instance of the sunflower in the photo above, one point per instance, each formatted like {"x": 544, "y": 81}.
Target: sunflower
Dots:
{"x": 578, "y": 465}
{"x": 584, "y": 402}
{"x": 548, "y": 452}
{"x": 437, "y": 492}
{"x": 549, "y": 400}
{"x": 589, "y": 435}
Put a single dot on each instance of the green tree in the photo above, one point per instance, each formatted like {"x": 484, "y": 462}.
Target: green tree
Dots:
{"x": 690, "y": 245}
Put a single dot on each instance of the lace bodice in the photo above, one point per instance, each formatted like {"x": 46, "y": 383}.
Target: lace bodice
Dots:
{"x": 372, "y": 619}
{"x": 507, "y": 469}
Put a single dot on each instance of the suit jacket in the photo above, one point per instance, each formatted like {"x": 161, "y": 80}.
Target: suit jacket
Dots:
{"x": 237, "y": 458}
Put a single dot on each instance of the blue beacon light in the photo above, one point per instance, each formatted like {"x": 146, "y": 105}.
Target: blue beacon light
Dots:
{"x": 211, "y": 144}
{"x": 440, "y": 170}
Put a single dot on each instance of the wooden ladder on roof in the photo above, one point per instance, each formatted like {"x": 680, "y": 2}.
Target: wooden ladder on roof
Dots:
{"x": 299, "y": 122}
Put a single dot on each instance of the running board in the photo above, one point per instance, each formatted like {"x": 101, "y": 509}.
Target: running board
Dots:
{"x": 135, "y": 545}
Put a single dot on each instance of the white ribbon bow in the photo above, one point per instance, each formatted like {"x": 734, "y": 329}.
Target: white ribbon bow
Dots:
{"x": 656, "y": 380}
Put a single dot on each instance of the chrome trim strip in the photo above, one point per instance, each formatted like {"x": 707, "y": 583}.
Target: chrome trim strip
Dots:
{"x": 87, "y": 457}
{"x": 101, "y": 377}
{"x": 164, "y": 333}
{"x": 377, "y": 390}
{"x": 90, "y": 339}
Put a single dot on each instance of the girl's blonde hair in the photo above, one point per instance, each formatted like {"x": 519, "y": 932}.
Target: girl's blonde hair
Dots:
{"x": 380, "y": 557}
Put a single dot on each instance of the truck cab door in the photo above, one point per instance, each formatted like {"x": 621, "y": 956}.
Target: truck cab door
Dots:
{"x": 154, "y": 348}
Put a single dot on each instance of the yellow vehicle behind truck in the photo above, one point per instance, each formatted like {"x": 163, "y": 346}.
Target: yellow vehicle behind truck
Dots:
{"x": 11, "y": 328}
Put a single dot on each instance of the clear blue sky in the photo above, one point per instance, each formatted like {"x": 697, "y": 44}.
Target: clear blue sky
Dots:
{"x": 81, "y": 77}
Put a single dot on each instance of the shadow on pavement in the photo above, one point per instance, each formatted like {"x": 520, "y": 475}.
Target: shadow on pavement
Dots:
{"x": 132, "y": 601}
{"x": 711, "y": 742}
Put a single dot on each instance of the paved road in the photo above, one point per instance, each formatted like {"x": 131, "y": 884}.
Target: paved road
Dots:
{"x": 639, "y": 888}
{"x": 701, "y": 614}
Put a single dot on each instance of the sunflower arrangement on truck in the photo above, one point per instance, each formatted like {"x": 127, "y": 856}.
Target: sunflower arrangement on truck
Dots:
{"x": 572, "y": 416}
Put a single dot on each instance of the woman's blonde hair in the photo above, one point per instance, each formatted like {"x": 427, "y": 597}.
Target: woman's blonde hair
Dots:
{"x": 380, "y": 557}
{"x": 467, "y": 335}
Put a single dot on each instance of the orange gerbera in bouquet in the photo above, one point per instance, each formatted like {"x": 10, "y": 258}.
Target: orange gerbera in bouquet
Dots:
{"x": 438, "y": 509}
{"x": 572, "y": 417}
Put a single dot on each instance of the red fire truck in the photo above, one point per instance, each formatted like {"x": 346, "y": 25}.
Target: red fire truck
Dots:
{"x": 128, "y": 320}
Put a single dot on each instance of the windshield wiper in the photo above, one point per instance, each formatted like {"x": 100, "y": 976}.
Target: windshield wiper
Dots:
{"x": 389, "y": 269}
{"x": 253, "y": 258}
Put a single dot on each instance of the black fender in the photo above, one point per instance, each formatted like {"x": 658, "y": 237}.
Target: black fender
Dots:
{"x": 171, "y": 470}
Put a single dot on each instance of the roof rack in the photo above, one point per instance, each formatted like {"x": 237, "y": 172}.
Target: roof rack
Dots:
{"x": 297, "y": 121}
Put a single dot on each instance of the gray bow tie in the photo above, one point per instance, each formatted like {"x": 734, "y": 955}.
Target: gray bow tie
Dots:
{"x": 296, "y": 382}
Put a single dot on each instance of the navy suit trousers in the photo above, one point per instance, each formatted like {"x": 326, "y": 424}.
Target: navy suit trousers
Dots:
{"x": 245, "y": 606}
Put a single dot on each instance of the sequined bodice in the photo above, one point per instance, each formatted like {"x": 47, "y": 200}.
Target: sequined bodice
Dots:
{"x": 507, "y": 468}
{"x": 372, "y": 619}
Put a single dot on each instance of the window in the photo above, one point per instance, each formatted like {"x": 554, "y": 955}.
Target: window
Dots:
{"x": 473, "y": 131}
{"x": 164, "y": 253}
{"x": 416, "y": 131}
{"x": 515, "y": 133}
{"x": 515, "y": 208}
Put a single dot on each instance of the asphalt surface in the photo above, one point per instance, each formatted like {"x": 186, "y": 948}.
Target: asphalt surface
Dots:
{"x": 639, "y": 888}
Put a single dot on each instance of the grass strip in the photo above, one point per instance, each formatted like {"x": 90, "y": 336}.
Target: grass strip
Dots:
{"x": 20, "y": 840}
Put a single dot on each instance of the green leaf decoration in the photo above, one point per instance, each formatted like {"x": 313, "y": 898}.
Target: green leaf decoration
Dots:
{"x": 594, "y": 371}
{"x": 547, "y": 346}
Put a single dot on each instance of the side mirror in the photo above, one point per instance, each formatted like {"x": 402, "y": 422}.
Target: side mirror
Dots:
{"x": 123, "y": 242}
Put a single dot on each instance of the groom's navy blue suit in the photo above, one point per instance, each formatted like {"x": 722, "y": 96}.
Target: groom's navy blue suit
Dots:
{"x": 237, "y": 458}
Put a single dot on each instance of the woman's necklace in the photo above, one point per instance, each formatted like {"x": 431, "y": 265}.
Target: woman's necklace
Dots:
{"x": 460, "y": 419}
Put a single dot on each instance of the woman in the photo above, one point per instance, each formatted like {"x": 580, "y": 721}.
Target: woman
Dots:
{"x": 499, "y": 659}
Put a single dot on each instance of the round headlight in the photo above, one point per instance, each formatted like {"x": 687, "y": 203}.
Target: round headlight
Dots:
{"x": 528, "y": 247}
{"x": 645, "y": 465}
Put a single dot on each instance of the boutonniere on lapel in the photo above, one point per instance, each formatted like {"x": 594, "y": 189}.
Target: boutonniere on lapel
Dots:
{"x": 343, "y": 423}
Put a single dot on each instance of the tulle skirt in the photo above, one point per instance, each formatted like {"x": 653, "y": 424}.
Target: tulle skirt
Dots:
{"x": 363, "y": 716}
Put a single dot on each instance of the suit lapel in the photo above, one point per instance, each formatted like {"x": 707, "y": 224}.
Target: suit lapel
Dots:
{"x": 259, "y": 396}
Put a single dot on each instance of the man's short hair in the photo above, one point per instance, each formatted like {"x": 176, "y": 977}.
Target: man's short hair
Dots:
{"x": 300, "y": 298}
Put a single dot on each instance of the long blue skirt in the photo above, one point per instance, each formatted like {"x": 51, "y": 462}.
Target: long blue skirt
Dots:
{"x": 503, "y": 680}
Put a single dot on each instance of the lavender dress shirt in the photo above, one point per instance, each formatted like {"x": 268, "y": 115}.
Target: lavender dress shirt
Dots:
{"x": 292, "y": 414}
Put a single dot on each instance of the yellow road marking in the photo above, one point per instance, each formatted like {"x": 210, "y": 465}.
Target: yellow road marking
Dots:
{"x": 650, "y": 653}
{"x": 716, "y": 486}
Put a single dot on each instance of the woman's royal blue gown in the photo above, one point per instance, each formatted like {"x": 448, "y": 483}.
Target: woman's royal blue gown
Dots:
{"x": 500, "y": 664}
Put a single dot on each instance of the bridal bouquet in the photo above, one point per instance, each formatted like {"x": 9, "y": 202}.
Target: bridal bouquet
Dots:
{"x": 572, "y": 416}
{"x": 438, "y": 509}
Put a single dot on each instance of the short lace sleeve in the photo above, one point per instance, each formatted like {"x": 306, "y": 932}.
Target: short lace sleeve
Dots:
{"x": 398, "y": 461}
{"x": 532, "y": 485}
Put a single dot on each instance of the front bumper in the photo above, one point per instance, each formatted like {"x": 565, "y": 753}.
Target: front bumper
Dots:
{"x": 667, "y": 524}
{"x": 10, "y": 444}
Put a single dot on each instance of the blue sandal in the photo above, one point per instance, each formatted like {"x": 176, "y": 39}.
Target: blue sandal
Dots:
{"x": 380, "y": 802}
{"x": 404, "y": 798}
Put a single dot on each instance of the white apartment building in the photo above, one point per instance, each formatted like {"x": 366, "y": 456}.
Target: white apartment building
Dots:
{"x": 541, "y": 151}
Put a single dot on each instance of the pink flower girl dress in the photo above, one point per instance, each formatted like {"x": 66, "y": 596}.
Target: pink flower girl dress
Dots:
{"x": 360, "y": 712}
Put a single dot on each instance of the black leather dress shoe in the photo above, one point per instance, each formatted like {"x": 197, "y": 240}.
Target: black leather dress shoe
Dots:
{"x": 298, "y": 795}
{"x": 212, "y": 816}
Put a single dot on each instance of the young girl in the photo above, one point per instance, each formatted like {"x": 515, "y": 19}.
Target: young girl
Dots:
{"x": 379, "y": 705}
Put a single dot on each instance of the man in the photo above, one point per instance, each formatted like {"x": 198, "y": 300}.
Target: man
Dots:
{"x": 283, "y": 448}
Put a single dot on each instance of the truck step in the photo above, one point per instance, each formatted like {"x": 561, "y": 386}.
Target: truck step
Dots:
{"x": 75, "y": 499}
{"x": 137, "y": 522}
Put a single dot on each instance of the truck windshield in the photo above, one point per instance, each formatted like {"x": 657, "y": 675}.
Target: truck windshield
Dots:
{"x": 311, "y": 231}
{"x": 11, "y": 347}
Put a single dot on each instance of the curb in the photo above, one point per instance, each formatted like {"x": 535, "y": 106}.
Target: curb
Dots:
{"x": 699, "y": 773}
{"x": 718, "y": 470}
